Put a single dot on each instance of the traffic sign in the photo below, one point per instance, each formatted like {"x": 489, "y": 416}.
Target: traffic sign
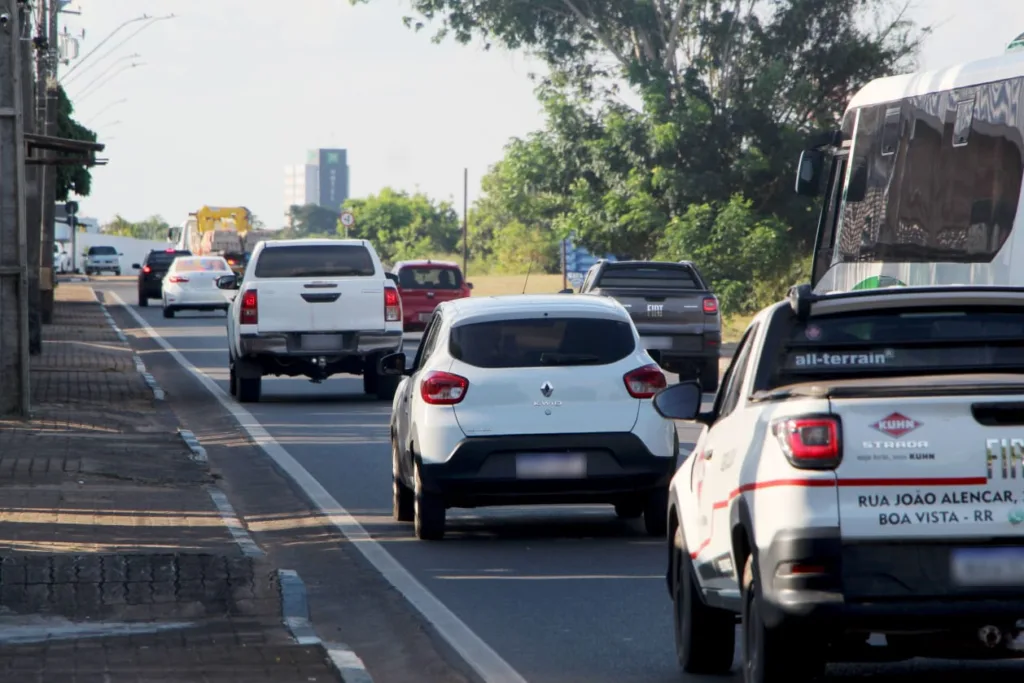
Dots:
{"x": 71, "y": 208}
{"x": 347, "y": 219}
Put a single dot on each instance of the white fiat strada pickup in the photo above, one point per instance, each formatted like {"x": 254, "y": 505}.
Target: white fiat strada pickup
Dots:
{"x": 312, "y": 308}
{"x": 860, "y": 474}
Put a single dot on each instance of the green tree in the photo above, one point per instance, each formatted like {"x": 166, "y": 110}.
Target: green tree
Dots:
{"x": 403, "y": 225}
{"x": 311, "y": 220}
{"x": 76, "y": 179}
{"x": 152, "y": 228}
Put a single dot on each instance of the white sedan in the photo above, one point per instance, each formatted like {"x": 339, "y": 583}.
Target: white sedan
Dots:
{"x": 191, "y": 284}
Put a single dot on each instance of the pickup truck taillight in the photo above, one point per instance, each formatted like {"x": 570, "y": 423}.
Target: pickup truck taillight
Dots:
{"x": 392, "y": 305}
{"x": 710, "y": 305}
{"x": 250, "y": 312}
{"x": 443, "y": 388}
{"x": 645, "y": 382}
{"x": 811, "y": 442}
{"x": 147, "y": 269}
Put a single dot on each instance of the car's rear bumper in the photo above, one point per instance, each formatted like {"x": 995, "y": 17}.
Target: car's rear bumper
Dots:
{"x": 878, "y": 587}
{"x": 183, "y": 298}
{"x": 482, "y": 470}
{"x": 289, "y": 344}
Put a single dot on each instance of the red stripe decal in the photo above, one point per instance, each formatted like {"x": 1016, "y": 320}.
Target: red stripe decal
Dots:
{"x": 831, "y": 483}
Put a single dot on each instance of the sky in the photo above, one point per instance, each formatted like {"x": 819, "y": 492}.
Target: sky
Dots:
{"x": 228, "y": 92}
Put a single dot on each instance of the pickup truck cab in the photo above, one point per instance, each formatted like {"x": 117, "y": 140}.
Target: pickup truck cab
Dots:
{"x": 312, "y": 308}
{"x": 673, "y": 309}
{"x": 423, "y": 285}
{"x": 860, "y": 473}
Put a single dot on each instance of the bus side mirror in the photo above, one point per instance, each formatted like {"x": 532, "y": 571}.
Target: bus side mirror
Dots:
{"x": 809, "y": 172}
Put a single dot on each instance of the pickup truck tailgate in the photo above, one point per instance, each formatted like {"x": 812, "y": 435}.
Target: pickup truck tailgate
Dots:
{"x": 665, "y": 311}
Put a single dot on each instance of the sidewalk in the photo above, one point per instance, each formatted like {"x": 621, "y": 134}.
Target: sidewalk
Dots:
{"x": 115, "y": 562}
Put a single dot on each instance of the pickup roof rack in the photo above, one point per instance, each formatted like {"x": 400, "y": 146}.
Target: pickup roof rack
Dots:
{"x": 801, "y": 297}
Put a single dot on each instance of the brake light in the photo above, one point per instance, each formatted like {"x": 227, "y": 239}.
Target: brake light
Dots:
{"x": 645, "y": 382}
{"x": 177, "y": 278}
{"x": 250, "y": 312}
{"x": 710, "y": 305}
{"x": 147, "y": 269}
{"x": 443, "y": 388}
{"x": 168, "y": 251}
{"x": 392, "y": 305}
{"x": 810, "y": 442}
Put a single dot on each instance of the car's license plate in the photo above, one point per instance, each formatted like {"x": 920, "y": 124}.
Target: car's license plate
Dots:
{"x": 551, "y": 465}
{"x": 321, "y": 342}
{"x": 987, "y": 566}
{"x": 657, "y": 342}
{"x": 424, "y": 317}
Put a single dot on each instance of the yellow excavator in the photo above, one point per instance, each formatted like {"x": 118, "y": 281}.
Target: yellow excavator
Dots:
{"x": 222, "y": 230}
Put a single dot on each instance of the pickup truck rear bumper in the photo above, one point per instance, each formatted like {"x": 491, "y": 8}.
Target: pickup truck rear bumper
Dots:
{"x": 291, "y": 344}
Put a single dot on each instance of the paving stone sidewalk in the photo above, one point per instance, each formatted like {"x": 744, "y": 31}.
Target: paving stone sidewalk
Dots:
{"x": 115, "y": 563}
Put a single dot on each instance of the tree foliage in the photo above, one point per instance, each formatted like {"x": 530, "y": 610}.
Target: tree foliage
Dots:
{"x": 311, "y": 220}
{"x": 71, "y": 179}
{"x": 152, "y": 228}
{"x": 403, "y": 225}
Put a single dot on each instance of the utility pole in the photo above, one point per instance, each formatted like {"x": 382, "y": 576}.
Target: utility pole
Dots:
{"x": 14, "y": 351}
{"x": 48, "y": 60}
{"x": 32, "y": 175}
{"x": 465, "y": 222}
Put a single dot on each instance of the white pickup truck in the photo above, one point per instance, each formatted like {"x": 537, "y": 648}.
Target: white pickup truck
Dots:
{"x": 860, "y": 473}
{"x": 312, "y": 308}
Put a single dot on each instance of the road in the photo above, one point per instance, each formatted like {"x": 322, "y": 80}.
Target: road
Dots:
{"x": 562, "y": 594}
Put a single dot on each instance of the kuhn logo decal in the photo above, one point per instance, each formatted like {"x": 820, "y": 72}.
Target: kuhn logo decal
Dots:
{"x": 896, "y": 425}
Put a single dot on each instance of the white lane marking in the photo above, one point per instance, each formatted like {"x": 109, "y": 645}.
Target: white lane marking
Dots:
{"x": 234, "y": 525}
{"x": 487, "y": 663}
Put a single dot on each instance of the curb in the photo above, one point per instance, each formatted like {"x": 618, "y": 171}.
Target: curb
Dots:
{"x": 140, "y": 367}
{"x": 190, "y": 439}
{"x": 295, "y": 615}
{"x": 233, "y": 523}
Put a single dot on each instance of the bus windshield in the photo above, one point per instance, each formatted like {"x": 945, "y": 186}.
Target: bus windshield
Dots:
{"x": 930, "y": 191}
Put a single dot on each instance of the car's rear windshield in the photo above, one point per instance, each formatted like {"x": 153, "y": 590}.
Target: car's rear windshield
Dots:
{"x": 102, "y": 251}
{"x": 196, "y": 265}
{"x": 321, "y": 260}
{"x": 907, "y": 342}
{"x": 164, "y": 258}
{"x": 536, "y": 342}
{"x": 429, "y": 277}
{"x": 649, "y": 276}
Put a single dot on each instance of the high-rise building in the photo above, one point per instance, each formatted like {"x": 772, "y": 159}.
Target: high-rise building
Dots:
{"x": 322, "y": 180}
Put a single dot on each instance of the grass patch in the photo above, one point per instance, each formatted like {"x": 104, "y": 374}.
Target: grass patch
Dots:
{"x": 497, "y": 285}
{"x": 734, "y": 326}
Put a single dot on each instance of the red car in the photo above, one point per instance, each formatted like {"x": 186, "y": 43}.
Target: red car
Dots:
{"x": 425, "y": 284}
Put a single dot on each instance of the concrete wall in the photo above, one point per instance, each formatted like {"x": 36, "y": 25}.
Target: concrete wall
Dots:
{"x": 132, "y": 250}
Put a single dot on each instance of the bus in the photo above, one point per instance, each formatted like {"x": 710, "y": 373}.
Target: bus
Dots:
{"x": 921, "y": 185}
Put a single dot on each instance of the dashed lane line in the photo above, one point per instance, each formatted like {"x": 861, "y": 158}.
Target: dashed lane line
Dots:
{"x": 477, "y": 654}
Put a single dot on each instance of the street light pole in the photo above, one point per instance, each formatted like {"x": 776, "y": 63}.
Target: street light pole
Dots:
{"x": 144, "y": 17}
{"x": 81, "y": 97}
{"x": 113, "y": 49}
{"x": 106, "y": 109}
{"x": 103, "y": 73}
{"x": 48, "y": 89}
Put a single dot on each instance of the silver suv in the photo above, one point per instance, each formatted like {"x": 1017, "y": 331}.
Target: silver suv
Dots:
{"x": 102, "y": 259}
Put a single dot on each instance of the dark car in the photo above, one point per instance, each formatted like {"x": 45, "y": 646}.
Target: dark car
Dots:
{"x": 152, "y": 271}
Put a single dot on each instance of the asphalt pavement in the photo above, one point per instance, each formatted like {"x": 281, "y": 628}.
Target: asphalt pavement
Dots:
{"x": 560, "y": 594}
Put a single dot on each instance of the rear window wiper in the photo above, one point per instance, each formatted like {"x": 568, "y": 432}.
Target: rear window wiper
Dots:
{"x": 556, "y": 358}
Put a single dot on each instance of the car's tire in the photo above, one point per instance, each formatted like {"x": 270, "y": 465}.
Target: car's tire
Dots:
{"x": 770, "y": 654}
{"x": 168, "y": 312}
{"x": 249, "y": 389}
{"x": 709, "y": 377}
{"x": 387, "y": 385}
{"x": 428, "y": 512}
{"x": 403, "y": 499}
{"x": 143, "y": 300}
{"x": 705, "y": 636}
{"x": 117, "y": 273}
{"x": 370, "y": 379}
{"x": 656, "y": 513}
{"x": 232, "y": 378}
{"x": 630, "y": 509}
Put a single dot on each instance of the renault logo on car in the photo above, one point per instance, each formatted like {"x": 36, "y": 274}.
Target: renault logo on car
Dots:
{"x": 547, "y": 389}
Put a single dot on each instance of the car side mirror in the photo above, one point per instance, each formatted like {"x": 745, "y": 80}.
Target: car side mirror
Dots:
{"x": 136, "y": 266}
{"x": 392, "y": 277}
{"x": 469, "y": 285}
{"x": 679, "y": 401}
{"x": 566, "y": 291}
{"x": 120, "y": 254}
{"x": 392, "y": 364}
{"x": 809, "y": 171}
{"x": 228, "y": 282}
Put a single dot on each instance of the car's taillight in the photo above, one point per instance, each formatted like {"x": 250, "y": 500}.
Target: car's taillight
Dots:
{"x": 710, "y": 305}
{"x": 392, "y": 305}
{"x": 645, "y": 382}
{"x": 147, "y": 269}
{"x": 250, "y": 313}
{"x": 443, "y": 388}
{"x": 177, "y": 278}
{"x": 811, "y": 442}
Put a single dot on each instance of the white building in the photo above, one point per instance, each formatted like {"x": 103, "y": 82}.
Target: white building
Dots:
{"x": 301, "y": 185}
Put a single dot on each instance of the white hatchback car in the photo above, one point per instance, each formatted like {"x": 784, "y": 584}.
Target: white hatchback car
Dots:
{"x": 529, "y": 399}
{"x": 191, "y": 283}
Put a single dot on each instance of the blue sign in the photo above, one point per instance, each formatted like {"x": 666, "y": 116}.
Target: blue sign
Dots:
{"x": 578, "y": 261}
